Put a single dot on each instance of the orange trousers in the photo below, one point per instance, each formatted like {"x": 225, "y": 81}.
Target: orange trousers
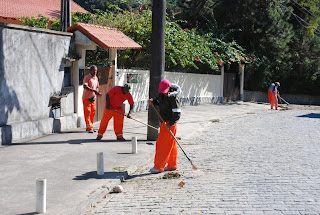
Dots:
{"x": 273, "y": 99}
{"x": 117, "y": 122}
{"x": 166, "y": 149}
{"x": 89, "y": 109}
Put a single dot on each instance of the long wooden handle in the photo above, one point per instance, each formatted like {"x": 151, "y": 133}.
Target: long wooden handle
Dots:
{"x": 135, "y": 120}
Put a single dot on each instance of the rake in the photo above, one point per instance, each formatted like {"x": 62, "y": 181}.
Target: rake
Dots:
{"x": 283, "y": 100}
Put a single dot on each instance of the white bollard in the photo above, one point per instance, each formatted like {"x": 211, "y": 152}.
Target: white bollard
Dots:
{"x": 134, "y": 145}
{"x": 41, "y": 195}
{"x": 100, "y": 163}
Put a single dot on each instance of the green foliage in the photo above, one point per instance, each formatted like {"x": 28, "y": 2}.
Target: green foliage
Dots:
{"x": 196, "y": 14}
{"x": 112, "y": 5}
{"x": 309, "y": 10}
{"x": 185, "y": 49}
{"x": 282, "y": 37}
{"x": 38, "y": 22}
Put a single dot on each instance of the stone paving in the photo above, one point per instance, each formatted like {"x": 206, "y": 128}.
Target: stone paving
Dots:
{"x": 258, "y": 163}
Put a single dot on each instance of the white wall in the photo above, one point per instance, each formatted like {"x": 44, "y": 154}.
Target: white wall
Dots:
{"x": 31, "y": 71}
{"x": 196, "y": 88}
{"x": 32, "y": 65}
{"x": 257, "y": 96}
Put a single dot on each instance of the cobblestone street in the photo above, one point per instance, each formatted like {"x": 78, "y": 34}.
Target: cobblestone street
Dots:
{"x": 257, "y": 163}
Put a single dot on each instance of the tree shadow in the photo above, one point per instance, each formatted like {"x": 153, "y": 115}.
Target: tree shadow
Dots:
{"x": 8, "y": 97}
{"x": 311, "y": 115}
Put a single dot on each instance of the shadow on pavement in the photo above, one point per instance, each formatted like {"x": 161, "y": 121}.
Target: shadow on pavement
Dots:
{"x": 32, "y": 213}
{"x": 77, "y": 141}
{"x": 311, "y": 115}
{"x": 106, "y": 175}
{"x": 140, "y": 175}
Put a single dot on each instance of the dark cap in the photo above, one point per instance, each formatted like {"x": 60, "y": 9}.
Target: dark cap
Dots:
{"x": 127, "y": 86}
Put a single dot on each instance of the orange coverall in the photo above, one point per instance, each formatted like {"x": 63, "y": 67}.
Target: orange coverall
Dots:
{"x": 116, "y": 99}
{"x": 89, "y": 108}
{"x": 166, "y": 148}
{"x": 272, "y": 96}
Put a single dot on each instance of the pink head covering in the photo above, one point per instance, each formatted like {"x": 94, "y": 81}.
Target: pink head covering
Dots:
{"x": 164, "y": 86}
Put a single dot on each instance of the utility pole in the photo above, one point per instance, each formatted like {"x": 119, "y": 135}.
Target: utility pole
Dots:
{"x": 157, "y": 61}
{"x": 65, "y": 16}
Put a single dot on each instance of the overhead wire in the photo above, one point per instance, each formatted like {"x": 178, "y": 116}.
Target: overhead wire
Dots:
{"x": 308, "y": 11}
{"x": 301, "y": 21}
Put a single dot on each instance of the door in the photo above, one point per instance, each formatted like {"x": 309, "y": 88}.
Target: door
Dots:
{"x": 105, "y": 81}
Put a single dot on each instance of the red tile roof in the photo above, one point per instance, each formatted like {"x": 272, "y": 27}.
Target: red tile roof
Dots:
{"x": 49, "y": 8}
{"x": 105, "y": 37}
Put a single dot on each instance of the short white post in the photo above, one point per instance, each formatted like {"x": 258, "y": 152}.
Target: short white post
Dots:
{"x": 134, "y": 145}
{"x": 100, "y": 163}
{"x": 41, "y": 195}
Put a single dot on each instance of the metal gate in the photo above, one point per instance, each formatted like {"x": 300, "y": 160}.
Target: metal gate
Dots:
{"x": 231, "y": 87}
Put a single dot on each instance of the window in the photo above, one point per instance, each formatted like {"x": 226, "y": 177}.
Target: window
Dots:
{"x": 81, "y": 76}
{"x": 67, "y": 77}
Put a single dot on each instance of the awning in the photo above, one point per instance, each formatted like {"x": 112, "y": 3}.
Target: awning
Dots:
{"x": 106, "y": 37}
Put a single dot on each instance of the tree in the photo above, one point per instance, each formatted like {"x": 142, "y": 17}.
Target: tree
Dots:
{"x": 269, "y": 31}
{"x": 188, "y": 50}
{"x": 196, "y": 14}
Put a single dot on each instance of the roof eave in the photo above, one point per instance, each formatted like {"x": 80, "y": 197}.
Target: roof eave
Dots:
{"x": 96, "y": 40}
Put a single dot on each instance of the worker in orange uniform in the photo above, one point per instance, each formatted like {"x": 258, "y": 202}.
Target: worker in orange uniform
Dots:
{"x": 114, "y": 100}
{"x": 273, "y": 94}
{"x": 90, "y": 90}
{"x": 166, "y": 156}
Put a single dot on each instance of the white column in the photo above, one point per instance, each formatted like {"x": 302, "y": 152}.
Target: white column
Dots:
{"x": 75, "y": 83}
{"x": 75, "y": 80}
{"x": 100, "y": 163}
{"x": 113, "y": 60}
{"x": 241, "y": 72}
{"x": 134, "y": 145}
{"x": 222, "y": 81}
{"x": 41, "y": 195}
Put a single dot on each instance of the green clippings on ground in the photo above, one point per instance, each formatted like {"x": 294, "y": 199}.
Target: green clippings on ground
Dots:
{"x": 215, "y": 120}
{"x": 171, "y": 175}
{"x": 104, "y": 186}
{"x": 120, "y": 168}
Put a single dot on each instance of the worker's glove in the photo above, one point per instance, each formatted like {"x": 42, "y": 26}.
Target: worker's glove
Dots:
{"x": 97, "y": 92}
{"x": 129, "y": 115}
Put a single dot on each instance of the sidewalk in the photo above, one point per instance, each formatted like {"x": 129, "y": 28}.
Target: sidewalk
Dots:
{"x": 68, "y": 160}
